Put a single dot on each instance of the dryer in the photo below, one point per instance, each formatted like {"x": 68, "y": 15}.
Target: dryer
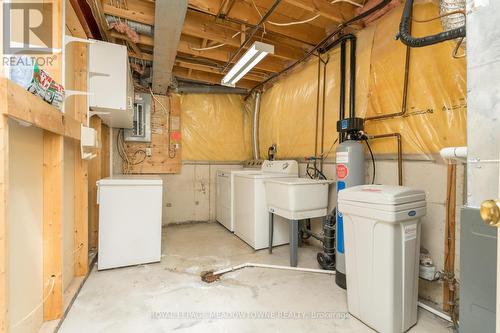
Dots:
{"x": 251, "y": 217}
{"x": 224, "y": 211}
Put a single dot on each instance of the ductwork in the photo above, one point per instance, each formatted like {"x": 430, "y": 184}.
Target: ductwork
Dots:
{"x": 255, "y": 129}
{"x": 142, "y": 29}
{"x": 195, "y": 88}
{"x": 453, "y": 21}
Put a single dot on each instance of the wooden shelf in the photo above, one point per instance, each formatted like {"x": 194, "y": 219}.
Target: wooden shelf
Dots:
{"x": 22, "y": 105}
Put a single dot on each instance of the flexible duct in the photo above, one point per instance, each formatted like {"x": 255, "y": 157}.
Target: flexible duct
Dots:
{"x": 407, "y": 39}
{"x": 255, "y": 129}
{"x": 140, "y": 28}
{"x": 453, "y": 21}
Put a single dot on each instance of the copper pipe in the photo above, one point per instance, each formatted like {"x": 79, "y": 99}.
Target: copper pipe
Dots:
{"x": 400, "y": 151}
{"x": 325, "y": 63}
{"x": 318, "y": 92}
{"x": 405, "y": 93}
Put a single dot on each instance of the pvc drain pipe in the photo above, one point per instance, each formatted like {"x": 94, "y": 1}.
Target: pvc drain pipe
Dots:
{"x": 288, "y": 268}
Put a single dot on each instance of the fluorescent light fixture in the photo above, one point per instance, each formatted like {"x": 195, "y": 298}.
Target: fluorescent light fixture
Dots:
{"x": 251, "y": 58}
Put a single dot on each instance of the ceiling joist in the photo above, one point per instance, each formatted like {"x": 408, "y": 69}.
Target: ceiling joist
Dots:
{"x": 213, "y": 31}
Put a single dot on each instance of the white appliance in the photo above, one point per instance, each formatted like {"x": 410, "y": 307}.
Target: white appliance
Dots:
{"x": 111, "y": 87}
{"x": 251, "y": 217}
{"x": 224, "y": 211}
{"x": 130, "y": 216}
{"x": 382, "y": 246}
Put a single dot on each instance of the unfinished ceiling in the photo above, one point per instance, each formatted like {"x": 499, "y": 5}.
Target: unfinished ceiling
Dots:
{"x": 213, "y": 31}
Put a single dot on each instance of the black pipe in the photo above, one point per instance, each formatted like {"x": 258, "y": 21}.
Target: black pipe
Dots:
{"x": 352, "y": 74}
{"x": 407, "y": 39}
{"x": 352, "y": 80}
{"x": 342, "y": 79}
{"x": 326, "y": 259}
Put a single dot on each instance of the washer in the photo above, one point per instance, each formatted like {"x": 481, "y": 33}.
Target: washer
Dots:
{"x": 251, "y": 219}
{"x": 224, "y": 211}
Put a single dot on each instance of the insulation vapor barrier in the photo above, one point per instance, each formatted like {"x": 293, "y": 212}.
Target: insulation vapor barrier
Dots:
{"x": 216, "y": 127}
{"x": 436, "y": 105}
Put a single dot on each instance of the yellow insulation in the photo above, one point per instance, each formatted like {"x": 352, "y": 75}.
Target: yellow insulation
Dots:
{"x": 436, "y": 113}
{"x": 215, "y": 128}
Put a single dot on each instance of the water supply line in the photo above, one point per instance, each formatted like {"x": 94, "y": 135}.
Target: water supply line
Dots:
{"x": 400, "y": 151}
{"x": 404, "y": 99}
{"x": 255, "y": 125}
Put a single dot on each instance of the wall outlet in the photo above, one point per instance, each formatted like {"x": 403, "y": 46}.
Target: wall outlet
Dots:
{"x": 168, "y": 204}
{"x": 148, "y": 152}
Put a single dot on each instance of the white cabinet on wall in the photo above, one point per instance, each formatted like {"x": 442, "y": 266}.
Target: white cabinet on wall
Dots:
{"x": 110, "y": 84}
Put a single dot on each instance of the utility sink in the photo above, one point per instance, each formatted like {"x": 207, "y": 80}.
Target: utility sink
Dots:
{"x": 297, "y": 198}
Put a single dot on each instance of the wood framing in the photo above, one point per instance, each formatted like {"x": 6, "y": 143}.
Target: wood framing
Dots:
{"x": 53, "y": 147}
{"x": 22, "y": 105}
{"x": 81, "y": 223}
{"x": 163, "y": 159}
{"x": 94, "y": 174}
{"x": 4, "y": 191}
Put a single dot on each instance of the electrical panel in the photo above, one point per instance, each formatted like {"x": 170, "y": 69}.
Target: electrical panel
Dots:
{"x": 141, "y": 129}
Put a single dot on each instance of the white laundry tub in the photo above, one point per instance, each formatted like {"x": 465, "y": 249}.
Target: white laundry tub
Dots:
{"x": 297, "y": 198}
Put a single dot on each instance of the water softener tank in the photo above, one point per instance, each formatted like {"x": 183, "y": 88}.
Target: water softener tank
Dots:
{"x": 350, "y": 169}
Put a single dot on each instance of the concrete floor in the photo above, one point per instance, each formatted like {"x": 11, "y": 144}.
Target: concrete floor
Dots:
{"x": 170, "y": 296}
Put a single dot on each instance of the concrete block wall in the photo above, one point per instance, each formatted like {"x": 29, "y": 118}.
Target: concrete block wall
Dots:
{"x": 191, "y": 195}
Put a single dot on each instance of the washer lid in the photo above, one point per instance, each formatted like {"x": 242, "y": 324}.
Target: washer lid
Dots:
{"x": 130, "y": 180}
{"x": 265, "y": 175}
{"x": 381, "y": 194}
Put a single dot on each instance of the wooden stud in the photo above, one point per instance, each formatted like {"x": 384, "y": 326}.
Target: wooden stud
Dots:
{"x": 81, "y": 214}
{"x": 4, "y": 184}
{"x": 53, "y": 145}
{"x": 105, "y": 153}
{"x": 449, "y": 239}
{"x": 94, "y": 174}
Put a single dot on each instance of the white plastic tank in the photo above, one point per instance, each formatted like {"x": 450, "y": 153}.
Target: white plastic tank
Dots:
{"x": 382, "y": 236}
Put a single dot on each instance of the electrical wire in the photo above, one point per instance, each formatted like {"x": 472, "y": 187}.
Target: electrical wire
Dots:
{"x": 52, "y": 284}
{"x": 349, "y": 2}
{"x": 284, "y": 24}
{"x": 172, "y": 152}
{"x": 324, "y": 156}
{"x": 214, "y": 46}
{"x": 373, "y": 160}
{"x": 294, "y": 22}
